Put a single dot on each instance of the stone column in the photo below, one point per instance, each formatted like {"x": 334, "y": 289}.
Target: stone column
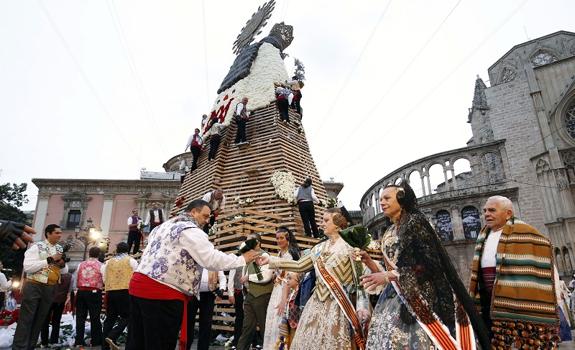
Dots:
{"x": 107, "y": 214}
{"x": 447, "y": 185}
{"x": 457, "y": 224}
{"x": 423, "y": 192}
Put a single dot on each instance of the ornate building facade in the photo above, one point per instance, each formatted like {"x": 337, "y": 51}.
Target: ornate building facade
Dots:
{"x": 74, "y": 204}
{"x": 523, "y": 147}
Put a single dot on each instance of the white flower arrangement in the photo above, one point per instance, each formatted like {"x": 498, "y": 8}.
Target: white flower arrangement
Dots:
{"x": 284, "y": 185}
{"x": 241, "y": 202}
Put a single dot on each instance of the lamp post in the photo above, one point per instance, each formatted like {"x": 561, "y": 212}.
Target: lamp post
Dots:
{"x": 87, "y": 235}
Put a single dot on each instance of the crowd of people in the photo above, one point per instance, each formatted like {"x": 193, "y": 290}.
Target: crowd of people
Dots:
{"x": 411, "y": 298}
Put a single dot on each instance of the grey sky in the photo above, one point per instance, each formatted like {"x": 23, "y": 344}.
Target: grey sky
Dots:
{"x": 100, "y": 89}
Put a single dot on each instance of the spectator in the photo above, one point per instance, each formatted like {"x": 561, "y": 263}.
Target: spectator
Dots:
{"x": 89, "y": 285}
{"x": 43, "y": 265}
{"x": 306, "y": 198}
{"x": 155, "y": 216}
{"x": 195, "y": 143}
{"x": 236, "y": 298}
{"x": 55, "y": 314}
{"x": 242, "y": 115}
{"x": 134, "y": 231}
{"x": 505, "y": 300}
{"x": 116, "y": 274}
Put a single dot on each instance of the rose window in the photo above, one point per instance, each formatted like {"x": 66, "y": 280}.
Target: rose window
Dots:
{"x": 570, "y": 119}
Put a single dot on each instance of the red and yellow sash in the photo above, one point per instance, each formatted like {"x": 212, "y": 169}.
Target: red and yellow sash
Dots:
{"x": 343, "y": 301}
{"x": 433, "y": 327}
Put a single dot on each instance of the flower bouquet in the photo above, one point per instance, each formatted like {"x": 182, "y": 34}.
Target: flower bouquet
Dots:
{"x": 246, "y": 246}
{"x": 359, "y": 238}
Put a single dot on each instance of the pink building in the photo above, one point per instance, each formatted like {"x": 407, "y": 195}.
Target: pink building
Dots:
{"x": 71, "y": 203}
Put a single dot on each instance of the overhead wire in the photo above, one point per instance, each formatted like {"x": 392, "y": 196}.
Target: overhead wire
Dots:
{"x": 142, "y": 93}
{"x": 354, "y": 66}
{"x": 362, "y": 153}
{"x": 376, "y": 106}
{"x": 86, "y": 80}
{"x": 205, "y": 43}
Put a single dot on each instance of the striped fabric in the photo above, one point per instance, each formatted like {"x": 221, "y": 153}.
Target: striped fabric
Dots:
{"x": 523, "y": 289}
{"x": 488, "y": 277}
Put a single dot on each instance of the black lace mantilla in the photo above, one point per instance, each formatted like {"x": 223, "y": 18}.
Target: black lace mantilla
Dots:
{"x": 421, "y": 273}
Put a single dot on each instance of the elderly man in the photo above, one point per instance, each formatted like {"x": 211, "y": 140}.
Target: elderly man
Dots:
{"x": 168, "y": 276}
{"x": 512, "y": 279}
{"x": 43, "y": 265}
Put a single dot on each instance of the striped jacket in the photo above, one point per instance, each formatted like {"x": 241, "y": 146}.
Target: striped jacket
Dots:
{"x": 524, "y": 284}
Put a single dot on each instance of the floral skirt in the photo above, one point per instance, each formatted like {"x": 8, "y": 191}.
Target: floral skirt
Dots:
{"x": 322, "y": 325}
{"x": 387, "y": 330}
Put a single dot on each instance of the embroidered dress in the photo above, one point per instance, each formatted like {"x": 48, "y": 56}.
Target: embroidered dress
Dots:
{"x": 323, "y": 324}
{"x": 387, "y": 330}
{"x": 272, "y": 319}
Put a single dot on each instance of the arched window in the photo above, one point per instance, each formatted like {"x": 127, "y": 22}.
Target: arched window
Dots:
{"x": 415, "y": 183}
{"x": 542, "y": 57}
{"x": 436, "y": 178}
{"x": 471, "y": 222}
{"x": 443, "y": 225}
{"x": 569, "y": 119}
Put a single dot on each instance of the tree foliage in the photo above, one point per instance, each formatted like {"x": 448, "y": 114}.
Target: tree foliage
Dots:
{"x": 13, "y": 196}
{"x": 299, "y": 72}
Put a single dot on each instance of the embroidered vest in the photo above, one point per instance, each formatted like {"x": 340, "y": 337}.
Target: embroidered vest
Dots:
{"x": 304, "y": 194}
{"x": 135, "y": 219}
{"x": 118, "y": 273}
{"x": 153, "y": 217}
{"x": 167, "y": 261}
{"x": 89, "y": 274}
{"x": 51, "y": 273}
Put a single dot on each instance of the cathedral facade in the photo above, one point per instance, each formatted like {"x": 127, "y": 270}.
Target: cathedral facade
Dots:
{"x": 523, "y": 147}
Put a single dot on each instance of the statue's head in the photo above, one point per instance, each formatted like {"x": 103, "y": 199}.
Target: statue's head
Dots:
{"x": 280, "y": 36}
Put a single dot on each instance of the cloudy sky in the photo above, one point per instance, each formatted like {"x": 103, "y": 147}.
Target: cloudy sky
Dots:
{"x": 101, "y": 89}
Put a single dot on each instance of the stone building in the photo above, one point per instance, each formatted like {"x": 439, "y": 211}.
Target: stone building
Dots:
{"x": 523, "y": 147}
{"x": 105, "y": 204}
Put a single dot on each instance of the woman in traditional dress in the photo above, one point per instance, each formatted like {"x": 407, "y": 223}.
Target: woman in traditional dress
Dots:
{"x": 288, "y": 250}
{"x": 421, "y": 290}
{"x": 326, "y": 318}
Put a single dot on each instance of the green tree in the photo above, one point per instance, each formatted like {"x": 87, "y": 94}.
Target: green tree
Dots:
{"x": 12, "y": 197}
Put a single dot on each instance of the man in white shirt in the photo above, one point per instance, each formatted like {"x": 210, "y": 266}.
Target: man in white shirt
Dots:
{"x": 155, "y": 216}
{"x": 215, "y": 138}
{"x": 43, "y": 264}
{"x": 169, "y": 274}
{"x": 242, "y": 115}
{"x": 217, "y": 202}
{"x": 134, "y": 231}
{"x": 212, "y": 286}
{"x": 195, "y": 143}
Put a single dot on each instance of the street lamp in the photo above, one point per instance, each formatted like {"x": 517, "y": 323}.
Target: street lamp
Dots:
{"x": 90, "y": 234}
